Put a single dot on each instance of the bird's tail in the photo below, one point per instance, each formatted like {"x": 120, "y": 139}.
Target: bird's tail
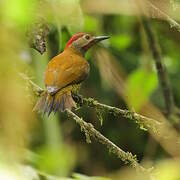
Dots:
{"x": 57, "y": 102}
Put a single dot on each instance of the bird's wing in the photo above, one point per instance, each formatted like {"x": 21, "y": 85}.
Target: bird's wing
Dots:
{"x": 64, "y": 70}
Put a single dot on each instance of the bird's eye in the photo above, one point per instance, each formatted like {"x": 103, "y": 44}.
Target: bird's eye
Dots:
{"x": 87, "y": 37}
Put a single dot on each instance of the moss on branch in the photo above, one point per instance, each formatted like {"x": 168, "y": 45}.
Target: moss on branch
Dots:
{"x": 37, "y": 34}
{"x": 90, "y": 131}
{"x": 144, "y": 123}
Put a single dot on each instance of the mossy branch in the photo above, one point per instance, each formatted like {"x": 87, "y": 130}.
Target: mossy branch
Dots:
{"x": 35, "y": 88}
{"x": 91, "y": 132}
{"x": 145, "y": 123}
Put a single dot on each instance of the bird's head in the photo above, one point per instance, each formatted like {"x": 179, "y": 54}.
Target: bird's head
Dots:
{"x": 81, "y": 42}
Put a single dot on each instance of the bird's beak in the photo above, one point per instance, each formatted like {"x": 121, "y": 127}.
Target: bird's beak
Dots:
{"x": 95, "y": 40}
{"x": 100, "y": 38}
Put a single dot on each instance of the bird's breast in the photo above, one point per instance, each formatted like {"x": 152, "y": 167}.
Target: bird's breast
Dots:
{"x": 65, "y": 69}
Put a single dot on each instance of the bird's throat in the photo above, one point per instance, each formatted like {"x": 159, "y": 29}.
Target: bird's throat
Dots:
{"x": 78, "y": 50}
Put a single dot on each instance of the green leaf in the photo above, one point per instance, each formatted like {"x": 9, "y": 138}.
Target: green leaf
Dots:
{"x": 140, "y": 85}
{"x": 90, "y": 24}
{"x": 120, "y": 42}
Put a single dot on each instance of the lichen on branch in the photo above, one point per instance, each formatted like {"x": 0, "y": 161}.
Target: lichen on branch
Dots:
{"x": 37, "y": 34}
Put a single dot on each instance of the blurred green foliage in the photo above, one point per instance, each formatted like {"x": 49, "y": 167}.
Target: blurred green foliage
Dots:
{"x": 121, "y": 42}
{"x": 19, "y": 12}
{"x": 139, "y": 93}
{"x": 56, "y": 145}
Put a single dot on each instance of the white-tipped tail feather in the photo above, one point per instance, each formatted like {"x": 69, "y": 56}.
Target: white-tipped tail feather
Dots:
{"x": 52, "y": 103}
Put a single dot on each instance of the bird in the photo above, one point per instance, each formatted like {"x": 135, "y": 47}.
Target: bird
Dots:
{"x": 64, "y": 71}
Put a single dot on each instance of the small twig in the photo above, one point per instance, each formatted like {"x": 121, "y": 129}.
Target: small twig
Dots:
{"x": 90, "y": 131}
{"x": 161, "y": 69}
{"x": 171, "y": 21}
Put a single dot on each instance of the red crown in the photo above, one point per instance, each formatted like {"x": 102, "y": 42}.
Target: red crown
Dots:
{"x": 74, "y": 38}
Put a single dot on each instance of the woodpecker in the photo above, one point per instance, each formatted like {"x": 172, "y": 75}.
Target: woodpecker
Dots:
{"x": 65, "y": 70}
